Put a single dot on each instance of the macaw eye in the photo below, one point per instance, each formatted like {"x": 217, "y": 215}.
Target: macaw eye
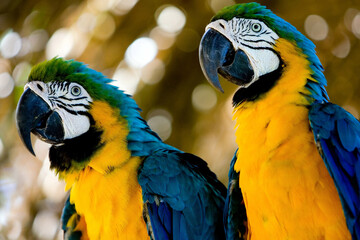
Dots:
{"x": 256, "y": 27}
{"x": 75, "y": 90}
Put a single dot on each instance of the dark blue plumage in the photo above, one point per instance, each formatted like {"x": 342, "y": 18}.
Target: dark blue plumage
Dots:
{"x": 337, "y": 134}
{"x": 185, "y": 191}
{"x": 161, "y": 220}
{"x": 235, "y": 218}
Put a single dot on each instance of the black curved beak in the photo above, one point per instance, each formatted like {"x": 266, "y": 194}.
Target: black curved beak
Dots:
{"x": 218, "y": 56}
{"x": 34, "y": 115}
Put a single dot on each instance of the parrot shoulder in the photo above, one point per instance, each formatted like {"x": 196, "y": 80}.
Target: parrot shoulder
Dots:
{"x": 337, "y": 136}
{"x": 183, "y": 197}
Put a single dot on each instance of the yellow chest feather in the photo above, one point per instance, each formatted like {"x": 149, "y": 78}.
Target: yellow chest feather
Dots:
{"x": 111, "y": 205}
{"x": 107, "y": 193}
{"x": 287, "y": 189}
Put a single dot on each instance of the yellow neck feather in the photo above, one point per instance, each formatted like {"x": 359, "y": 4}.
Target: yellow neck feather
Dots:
{"x": 272, "y": 112}
{"x": 107, "y": 192}
{"x": 287, "y": 189}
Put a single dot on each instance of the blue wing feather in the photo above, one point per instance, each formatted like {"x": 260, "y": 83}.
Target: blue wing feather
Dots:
{"x": 235, "y": 217}
{"x": 337, "y": 134}
{"x": 184, "y": 197}
{"x": 69, "y": 221}
{"x": 160, "y": 220}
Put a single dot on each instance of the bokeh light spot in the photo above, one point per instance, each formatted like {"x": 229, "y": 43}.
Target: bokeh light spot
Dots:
{"x": 164, "y": 40}
{"x": 160, "y": 121}
{"x": 60, "y": 43}
{"x": 126, "y": 80}
{"x": 6, "y": 84}
{"x": 153, "y": 72}
{"x": 123, "y": 6}
{"x": 21, "y": 72}
{"x": 203, "y": 97}
{"x": 355, "y": 26}
{"x": 316, "y": 27}
{"x": 349, "y": 17}
{"x": 342, "y": 50}
{"x": 50, "y": 185}
{"x": 171, "y": 19}
{"x": 10, "y": 45}
{"x": 45, "y": 225}
{"x": 25, "y": 47}
{"x": 38, "y": 40}
{"x": 41, "y": 149}
{"x": 86, "y": 22}
{"x": 1, "y": 147}
{"x": 141, "y": 52}
{"x": 101, "y": 5}
{"x": 105, "y": 26}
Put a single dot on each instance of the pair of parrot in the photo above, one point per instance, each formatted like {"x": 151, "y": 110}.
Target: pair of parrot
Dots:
{"x": 295, "y": 174}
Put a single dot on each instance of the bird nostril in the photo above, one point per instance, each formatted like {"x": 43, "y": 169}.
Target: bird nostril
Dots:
{"x": 39, "y": 87}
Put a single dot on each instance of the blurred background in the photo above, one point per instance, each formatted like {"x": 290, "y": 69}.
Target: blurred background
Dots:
{"x": 151, "y": 48}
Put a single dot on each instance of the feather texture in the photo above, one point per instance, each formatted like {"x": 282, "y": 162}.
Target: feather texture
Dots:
{"x": 337, "y": 134}
{"x": 235, "y": 218}
{"x": 127, "y": 169}
{"x": 185, "y": 190}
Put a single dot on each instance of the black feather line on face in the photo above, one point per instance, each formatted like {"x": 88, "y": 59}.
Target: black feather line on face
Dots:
{"x": 259, "y": 87}
{"x": 75, "y": 153}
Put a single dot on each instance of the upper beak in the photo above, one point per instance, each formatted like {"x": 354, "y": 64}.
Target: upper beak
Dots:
{"x": 34, "y": 115}
{"x": 218, "y": 56}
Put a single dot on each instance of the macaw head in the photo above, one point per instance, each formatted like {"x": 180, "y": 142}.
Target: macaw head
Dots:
{"x": 76, "y": 110}
{"x": 249, "y": 45}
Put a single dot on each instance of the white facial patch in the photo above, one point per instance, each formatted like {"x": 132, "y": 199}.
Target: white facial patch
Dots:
{"x": 255, "y": 39}
{"x": 70, "y": 100}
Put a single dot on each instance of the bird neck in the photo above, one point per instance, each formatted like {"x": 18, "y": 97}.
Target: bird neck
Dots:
{"x": 286, "y": 102}
{"x": 294, "y": 78}
{"x": 114, "y": 152}
{"x": 109, "y": 182}
{"x": 102, "y": 148}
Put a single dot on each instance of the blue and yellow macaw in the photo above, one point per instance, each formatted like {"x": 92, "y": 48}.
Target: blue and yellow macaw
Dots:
{"x": 125, "y": 182}
{"x": 298, "y": 157}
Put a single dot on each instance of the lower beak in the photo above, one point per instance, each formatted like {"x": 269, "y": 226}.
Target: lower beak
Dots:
{"x": 34, "y": 115}
{"x": 218, "y": 56}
